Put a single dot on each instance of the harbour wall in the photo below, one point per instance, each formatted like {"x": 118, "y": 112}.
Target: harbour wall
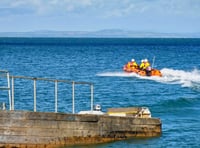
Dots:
{"x": 38, "y": 129}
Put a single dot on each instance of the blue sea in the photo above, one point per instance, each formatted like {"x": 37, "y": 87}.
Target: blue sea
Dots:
{"x": 174, "y": 98}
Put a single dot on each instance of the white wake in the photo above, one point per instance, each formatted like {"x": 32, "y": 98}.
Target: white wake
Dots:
{"x": 185, "y": 78}
{"x": 170, "y": 76}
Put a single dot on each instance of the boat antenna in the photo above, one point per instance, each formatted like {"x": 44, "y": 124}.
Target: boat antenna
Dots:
{"x": 153, "y": 61}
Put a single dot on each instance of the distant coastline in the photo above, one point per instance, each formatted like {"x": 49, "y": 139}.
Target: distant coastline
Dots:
{"x": 112, "y": 33}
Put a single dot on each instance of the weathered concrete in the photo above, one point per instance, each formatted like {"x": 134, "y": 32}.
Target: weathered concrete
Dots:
{"x": 36, "y": 129}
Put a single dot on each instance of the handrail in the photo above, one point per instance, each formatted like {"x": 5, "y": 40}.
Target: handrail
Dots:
{"x": 4, "y": 71}
{"x": 52, "y": 80}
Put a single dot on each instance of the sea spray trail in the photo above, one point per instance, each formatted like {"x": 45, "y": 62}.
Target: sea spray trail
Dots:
{"x": 170, "y": 76}
{"x": 185, "y": 78}
{"x": 117, "y": 74}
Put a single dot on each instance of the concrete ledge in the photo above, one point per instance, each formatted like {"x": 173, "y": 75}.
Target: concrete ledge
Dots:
{"x": 37, "y": 129}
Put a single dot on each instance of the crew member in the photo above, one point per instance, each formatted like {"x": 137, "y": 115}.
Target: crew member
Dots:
{"x": 142, "y": 64}
{"x": 134, "y": 64}
{"x": 146, "y": 64}
{"x": 147, "y": 67}
{"x": 129, "y": 65}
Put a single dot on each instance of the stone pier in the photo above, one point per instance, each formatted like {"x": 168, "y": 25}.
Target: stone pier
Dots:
{"x": 37, "y": 129}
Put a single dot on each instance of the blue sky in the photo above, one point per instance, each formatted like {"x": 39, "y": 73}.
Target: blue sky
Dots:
{"x": 167, "y": 16}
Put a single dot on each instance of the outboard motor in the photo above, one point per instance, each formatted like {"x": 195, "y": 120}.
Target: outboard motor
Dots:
{"x": 148, "y": 71}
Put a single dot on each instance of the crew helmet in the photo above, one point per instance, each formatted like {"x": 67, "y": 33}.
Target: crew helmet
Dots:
{"x": 145, "y": 60}
{"x": 133, "y": 60}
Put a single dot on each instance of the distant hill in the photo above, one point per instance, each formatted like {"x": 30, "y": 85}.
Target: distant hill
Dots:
{"x": 112, "y": 33}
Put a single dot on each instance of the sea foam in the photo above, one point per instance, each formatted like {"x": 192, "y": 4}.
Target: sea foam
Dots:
{"x": 170, "y": 76}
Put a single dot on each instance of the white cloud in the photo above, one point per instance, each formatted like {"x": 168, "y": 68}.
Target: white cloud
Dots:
{"x": 43, "y": 7}
{"x": 99, "y": 14}
{"x": 159, "y": 7}
{"x": 109, "y": 8}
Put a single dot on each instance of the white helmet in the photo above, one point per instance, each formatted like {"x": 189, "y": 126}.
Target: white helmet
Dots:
{"x": 145, "y": 60}
{"x": 133, "y": 60}
{"x": 142, "y": 61}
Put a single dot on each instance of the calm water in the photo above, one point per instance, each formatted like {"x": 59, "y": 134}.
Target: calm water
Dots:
{"x": 174, "y": 98}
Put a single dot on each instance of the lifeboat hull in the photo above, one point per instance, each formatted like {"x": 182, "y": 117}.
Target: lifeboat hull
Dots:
{"x": 153, "y": 72}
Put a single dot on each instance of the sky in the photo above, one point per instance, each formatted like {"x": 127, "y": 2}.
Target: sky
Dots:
{"x": 165, "y": 16}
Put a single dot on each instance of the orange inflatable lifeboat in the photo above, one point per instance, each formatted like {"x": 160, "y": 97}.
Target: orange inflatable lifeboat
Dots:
{"x": 151, "y": 72}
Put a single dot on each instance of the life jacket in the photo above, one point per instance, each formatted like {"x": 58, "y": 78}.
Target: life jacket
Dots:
{"x": 134, "y": 64}
{"x": 129, "y": 65}
{"x": 142, "y": 65}
{"x": 146, "y": 64}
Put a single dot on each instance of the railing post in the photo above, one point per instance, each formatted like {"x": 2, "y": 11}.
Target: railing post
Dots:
{"x": 73, "y": 100}
{"x": 9, "y": 92}
{"x": 92, "y": 97}
{"x": 56, "y": 96}
{"x": 34, "y": 83}
{"x": 13, "y": 103}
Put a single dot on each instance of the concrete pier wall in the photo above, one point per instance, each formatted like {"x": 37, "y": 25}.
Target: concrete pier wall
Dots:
{"x": 37, "y": 129}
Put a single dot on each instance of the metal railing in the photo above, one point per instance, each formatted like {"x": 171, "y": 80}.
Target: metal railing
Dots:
{"x": 11, "y": 87}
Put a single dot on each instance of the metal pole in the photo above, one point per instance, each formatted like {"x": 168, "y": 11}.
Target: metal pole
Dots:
{"x": 73, "y": 100}
{"x": 9, "y": 92}
{"x": 56, "y": 96}
{"x": 13, "y": 103}
{"x": 92, "y": 97}
{"x": 153, "y": 61}
{"x": 34, "y": 81}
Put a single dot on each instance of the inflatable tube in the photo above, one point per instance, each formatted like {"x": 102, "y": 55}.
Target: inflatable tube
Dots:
{"x": 153, "y": 72}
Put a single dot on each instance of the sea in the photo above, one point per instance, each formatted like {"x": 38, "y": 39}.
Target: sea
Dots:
{"x": 174, "y": 98}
